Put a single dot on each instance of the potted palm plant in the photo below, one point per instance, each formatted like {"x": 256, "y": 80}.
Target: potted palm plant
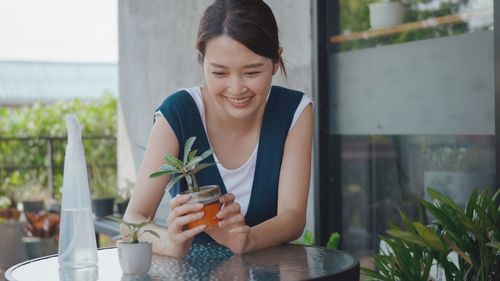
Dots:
{"x": 186, "y": 169}
{"x": 471, "y": 235}
{"x": 134, "y": 255}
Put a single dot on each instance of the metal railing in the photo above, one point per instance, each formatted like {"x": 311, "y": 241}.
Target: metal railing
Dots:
{"x": 52, "y": 150}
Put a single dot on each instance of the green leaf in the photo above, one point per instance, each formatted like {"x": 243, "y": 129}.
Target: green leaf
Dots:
{"x": 436, "y": 195}
{"x": 333, "y": 241}
{"x": 206, "y": 154}
{"x": 161, "y": 173}
{"x": 172, "y": 160}
{"x": 187, "y": 149}
{"x": 493, "y": 244}
{"x": 308, "y": 238}
{"x": 429, "y": 237}
{"x": 152, "y": 232}
{"x": 202, "y": 166}
{"x": 407, "y": 236}
{"x": 169, "y": 168}
{"x": 192, "y": 154}
{"x": 471, "y": 203}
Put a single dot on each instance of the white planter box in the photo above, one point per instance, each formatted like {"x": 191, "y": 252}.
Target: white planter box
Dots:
{"x": 386, "y": 14}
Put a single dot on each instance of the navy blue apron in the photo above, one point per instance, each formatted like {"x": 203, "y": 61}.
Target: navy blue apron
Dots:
{"x": 184, "y": 117}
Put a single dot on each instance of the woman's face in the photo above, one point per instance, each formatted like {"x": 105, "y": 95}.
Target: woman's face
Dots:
{"x": 237, "y": 79}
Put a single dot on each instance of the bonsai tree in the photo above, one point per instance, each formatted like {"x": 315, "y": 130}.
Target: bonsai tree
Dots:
{"x": 187, "y": 168}
{"x": 134, "y": 255}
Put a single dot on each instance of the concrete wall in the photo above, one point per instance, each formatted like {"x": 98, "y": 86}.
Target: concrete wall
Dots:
{"x": 157, "y": 56}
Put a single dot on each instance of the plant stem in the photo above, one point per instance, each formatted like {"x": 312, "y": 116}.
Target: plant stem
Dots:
{"x": 195, "y": 183}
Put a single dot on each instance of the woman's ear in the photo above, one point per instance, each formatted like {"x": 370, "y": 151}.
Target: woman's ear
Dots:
{"x": 200, "y": 58}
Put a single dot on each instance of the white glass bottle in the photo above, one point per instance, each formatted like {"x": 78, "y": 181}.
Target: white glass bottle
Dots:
{"x": 77, "y": 242}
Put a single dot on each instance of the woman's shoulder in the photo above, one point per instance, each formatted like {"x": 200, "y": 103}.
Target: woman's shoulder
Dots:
{"x": 286, "y": 91}
{"x": 281, "y": 95}
{"x": 181, "y": 98}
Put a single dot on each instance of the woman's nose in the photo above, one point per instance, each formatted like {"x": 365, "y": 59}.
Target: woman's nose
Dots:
{"x": 236, "y": 86}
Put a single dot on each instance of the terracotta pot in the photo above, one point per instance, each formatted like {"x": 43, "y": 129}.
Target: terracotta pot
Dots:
{"x": 135, "y": 258}
{"x": 209, "y": 197}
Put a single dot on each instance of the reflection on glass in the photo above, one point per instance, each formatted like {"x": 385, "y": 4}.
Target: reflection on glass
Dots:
{"x": 383, "y": 173}
{"x": 79, "y": 274}
{"x": 423, "y": 19}
{"x": 141, "y": 277}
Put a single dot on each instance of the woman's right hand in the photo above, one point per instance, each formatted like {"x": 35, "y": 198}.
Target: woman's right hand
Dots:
{"x": 181, "y": 213}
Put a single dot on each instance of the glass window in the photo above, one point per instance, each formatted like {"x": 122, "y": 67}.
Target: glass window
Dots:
{"x": 368, "y": 23}
{"x": 409, "y": 116}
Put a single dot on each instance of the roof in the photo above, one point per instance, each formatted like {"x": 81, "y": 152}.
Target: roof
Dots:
{"x": 27, "y": 82}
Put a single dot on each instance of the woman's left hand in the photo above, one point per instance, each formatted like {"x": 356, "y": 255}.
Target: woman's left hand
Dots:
{"x": 232, "y": 231}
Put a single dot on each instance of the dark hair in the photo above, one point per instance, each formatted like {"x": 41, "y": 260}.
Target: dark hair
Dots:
{"x": 250, "y": 22}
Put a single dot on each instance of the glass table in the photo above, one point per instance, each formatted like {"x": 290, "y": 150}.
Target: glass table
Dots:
{"x": 206, "y": 262}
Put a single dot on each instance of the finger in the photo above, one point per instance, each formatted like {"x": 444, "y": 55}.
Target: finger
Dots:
{"x": 183, "y": 210}
{"x": 233, "y": 208}
{"x": 234, "y": 220}
{"x": 227, "y": 198}
{"x": 181, "y": 221}
{"x": 188, "y": 234}
{"x": 179, "y": 200}
{"x": 240, "y": 229}
{"x": 186, "y": 209}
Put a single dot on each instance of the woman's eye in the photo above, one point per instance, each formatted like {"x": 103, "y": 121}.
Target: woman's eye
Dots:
{"x": 255, "y": 73}
{"x": 218, "y": 73}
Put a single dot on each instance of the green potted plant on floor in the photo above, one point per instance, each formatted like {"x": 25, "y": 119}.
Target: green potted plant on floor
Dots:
{"x": 187, "y": 169}
{"x": 470, "y": 236}
{"x": 134, "y": 255}
{"x": 103, "y": 193}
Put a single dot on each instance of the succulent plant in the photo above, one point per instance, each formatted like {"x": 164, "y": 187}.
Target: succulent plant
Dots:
{"x": 185, "y": 168}
{"x": 136, "y": 229}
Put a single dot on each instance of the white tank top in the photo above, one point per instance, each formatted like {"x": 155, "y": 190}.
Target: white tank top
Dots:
{"x": 239, "y": 181}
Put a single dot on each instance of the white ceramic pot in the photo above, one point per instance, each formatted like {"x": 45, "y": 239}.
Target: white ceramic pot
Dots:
{"x": 385, "y": 14}
{"x": 135, "y": 258}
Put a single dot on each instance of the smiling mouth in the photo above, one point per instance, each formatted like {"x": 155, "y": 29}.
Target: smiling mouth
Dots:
{"x": 240, "y": 100}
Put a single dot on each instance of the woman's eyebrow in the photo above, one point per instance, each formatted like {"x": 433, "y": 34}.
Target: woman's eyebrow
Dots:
{"x": 252, "y": 65}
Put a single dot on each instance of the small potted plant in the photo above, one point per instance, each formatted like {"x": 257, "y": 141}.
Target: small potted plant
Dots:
{"x": 134, "y": 255}
{"x": 187, "y": 168}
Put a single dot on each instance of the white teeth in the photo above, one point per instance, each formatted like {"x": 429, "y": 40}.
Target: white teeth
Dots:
{"x": 239, "y": 101}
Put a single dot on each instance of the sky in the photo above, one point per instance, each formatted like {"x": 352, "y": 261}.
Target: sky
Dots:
{"x": 59, "y": 30}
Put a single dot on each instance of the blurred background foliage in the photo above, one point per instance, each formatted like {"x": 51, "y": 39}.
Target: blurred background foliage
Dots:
{"x": 25, "y": 134}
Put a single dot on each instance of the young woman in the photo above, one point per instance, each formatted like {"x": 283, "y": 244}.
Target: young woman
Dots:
{"x": 260, "y": 134}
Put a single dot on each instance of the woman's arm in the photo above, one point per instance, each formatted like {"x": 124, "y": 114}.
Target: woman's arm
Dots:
{"x": 295, "y": 175}
{"x": 148, "y": 193}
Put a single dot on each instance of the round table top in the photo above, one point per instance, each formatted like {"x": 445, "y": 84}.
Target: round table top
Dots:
{"x": 207, "y": 262}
